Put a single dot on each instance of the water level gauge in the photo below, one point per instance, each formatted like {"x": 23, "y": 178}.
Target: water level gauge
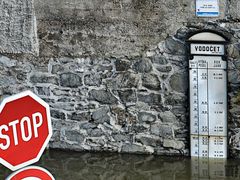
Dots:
{"x": 208, "y": 95}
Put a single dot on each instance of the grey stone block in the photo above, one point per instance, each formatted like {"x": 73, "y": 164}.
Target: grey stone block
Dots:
{"x": 151, "y": 81}
{"x": 43, "y": 78}
{"x": 164, "y": 69}
{"x": 92, "y": 80}
{"x": 127, "y": 96}
{"x": 70, "y": 80}
{"x": 173, "y": 144}
{"x": 178, "y": 82}
{"x": 74, "y": 136}
{"x": 168, "y": 117}
{"x": 175, "y": 47}
{"x": 143, "y": 66}
{"x": 151, "y": 99}
{"x": 122, "y": 65}
{"x": 58, "y": 114}
{"x": 43, "y": 91}
{"x": 132, "y": 148}
{"x": 146, "y": 117}
{"x": 57, "y": 69}
{"x": 164, "y": 131}
{"x": 79, "y": 116}
{"x": 101, "y": 115}
{"x": 102, "y": 96}
{"x": 95, "y": 132}
{"x": 149, "y": 140}
{"x": 159, "y": 59}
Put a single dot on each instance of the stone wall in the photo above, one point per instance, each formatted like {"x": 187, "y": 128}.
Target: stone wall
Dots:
{"x": 115, "y": 73}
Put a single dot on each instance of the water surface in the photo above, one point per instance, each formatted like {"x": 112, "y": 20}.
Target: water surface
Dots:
{"x": 110, "y": 166}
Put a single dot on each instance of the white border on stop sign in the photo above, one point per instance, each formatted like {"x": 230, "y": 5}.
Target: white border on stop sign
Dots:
{"x": 30, "y": 167}
{"x": 43, "y": 103}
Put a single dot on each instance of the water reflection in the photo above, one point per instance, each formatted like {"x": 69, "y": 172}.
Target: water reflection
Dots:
{"x": 107, "y": 166}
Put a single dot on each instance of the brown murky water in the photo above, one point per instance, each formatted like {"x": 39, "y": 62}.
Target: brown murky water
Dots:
{"x": 109, "y": 166}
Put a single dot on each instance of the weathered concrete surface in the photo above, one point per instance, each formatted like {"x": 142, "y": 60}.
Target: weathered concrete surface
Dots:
{"x": 111, "y": 28}
{"x": 18, "y": 32}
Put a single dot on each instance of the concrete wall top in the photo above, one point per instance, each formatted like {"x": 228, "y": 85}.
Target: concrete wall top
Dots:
{"x": 18, "y": 33}
{"x": 117, "y": 28}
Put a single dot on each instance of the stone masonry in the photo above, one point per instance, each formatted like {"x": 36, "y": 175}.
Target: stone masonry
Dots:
{"x": 115, "y": 73}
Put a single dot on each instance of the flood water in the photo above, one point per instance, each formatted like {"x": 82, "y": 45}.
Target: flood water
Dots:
{"x": 110, "y": 166}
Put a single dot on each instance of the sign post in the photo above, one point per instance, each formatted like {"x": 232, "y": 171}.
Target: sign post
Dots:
{"x": 25, "y": 130}
{"x": 208, "y": 95}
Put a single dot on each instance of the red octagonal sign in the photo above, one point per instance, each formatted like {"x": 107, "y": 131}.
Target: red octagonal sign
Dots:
{"x": 25, "y": 130}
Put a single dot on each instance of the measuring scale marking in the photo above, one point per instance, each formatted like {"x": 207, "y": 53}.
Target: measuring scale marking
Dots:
{"x": 208, "y": 104}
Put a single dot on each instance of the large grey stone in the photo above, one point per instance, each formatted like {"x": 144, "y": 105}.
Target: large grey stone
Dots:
{"x": 95, "y": 132}
{"x": 128, "y": 95}
{"x": 151, "y": 81}
{"x": 152, "y": 99}
{"x": 148, "y": 140}
{"x": 175, "y": 99}
{"x": 43, "y": 91}
{"x": 43, "y": 78}
{"x": 174, "y": 46}
{"x": 124, "y": 80}
{"x": 58, "y": 114}
{"x": 83, "y": 107}
{"x": 143, "y": 66}
{"x": 232, "y": 64}
{"x": 70, "y": 80}
{"x": 101, "y": 68}
{"x": 166, "y": 131}
{"x": 164, "y": 69}
{"x": 122, "y": 65}
{"x": 7, "y": 62}
{"x": 7, "y": 80}
{"x": 159, "y": 59}
{"x": 162, "y": 130}
{"x": 88, "y": 125}
{"x": 74, "y": 136}
{"x": 92, "y": 80}
{"x": 121, "y": 137}
{"x": 102, "y": 96}
{"x": 121, "y": 115}
{"x": 179, "y": 82}
{"x": 182, "y": 33}
{"x": 57, "y": 68}
{"x": 168, "y": 117}
{"x": 101, "y": 115}
{"x": 233, "y": 50}
{"x": 140, "y": 128}
{"x": 55, "y": 136}
{"x": 146, "y": 117}
{"x": 128, "y": 80}
{"x": 80, "y": 116}
{"x": 169, "y": 143}
{"x": 234, "y": 76}
{"x": 132, "y": 148}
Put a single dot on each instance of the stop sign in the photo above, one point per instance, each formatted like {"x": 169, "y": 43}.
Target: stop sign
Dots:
{"x": 31, "y": 173}
{"x": 25, "y": 130}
